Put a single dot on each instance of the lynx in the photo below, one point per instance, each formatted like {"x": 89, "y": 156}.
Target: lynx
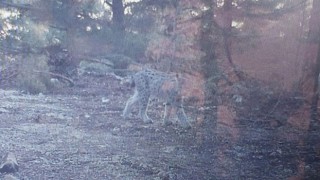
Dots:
{"x": 154, "y": 84}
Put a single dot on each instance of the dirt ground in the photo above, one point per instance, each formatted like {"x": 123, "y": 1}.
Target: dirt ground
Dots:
{"x": 78, "y": 133}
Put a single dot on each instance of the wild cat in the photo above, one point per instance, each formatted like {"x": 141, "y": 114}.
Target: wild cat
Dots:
{"x": 154, "y": 84}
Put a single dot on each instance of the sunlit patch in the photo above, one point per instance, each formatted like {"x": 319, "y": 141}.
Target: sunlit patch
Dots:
{"x": 220, "y": 3}
{"x": 41, "y": 30}
{"x": 7, "y": 14}
{"x": 168, "y": 85}
{"x": 237, "y": 24}
{"x": 88, "y": 28}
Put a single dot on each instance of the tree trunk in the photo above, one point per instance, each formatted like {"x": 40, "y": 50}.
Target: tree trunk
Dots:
{"x": 212, "y": 137}
{"x": 207, "y": 43}
{"x": 315, "y": 98}
{"x": 227, "y": 27}
{"x": 314, "y": 33}
{"x": 312, "y": 145}
{"x": 118, "y": 15}
{"x": 71, "y": 29}
{"x": 118, "y": 26}
{"x": 227, "y": 34}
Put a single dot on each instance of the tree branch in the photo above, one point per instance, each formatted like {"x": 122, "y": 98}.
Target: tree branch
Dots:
{"x": 278, "y": 12}
{"x": 108, "y": 3}
{"x": 129, "y": 4}
{"x": 57, "y": 76}
{"x": 19, "y": 6}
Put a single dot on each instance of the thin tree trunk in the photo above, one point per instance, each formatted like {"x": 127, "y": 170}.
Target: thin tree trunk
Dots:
{"x": 227, "y": 33}
{"x": 118, "y": 15}
{"x": 315, "y": 97}
{"x": 312, "y": 144}
{"x": 315, "y": 34}
{"x": 118, "y": 25}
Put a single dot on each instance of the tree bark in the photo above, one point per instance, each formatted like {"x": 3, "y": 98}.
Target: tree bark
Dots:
{"x": 315, "y": 33}
{"x": 312, "y": 145}
{"x": 118, "y": 15}
{"x": 316, "y": 89}
{"x": 227, "y": 35}
{"x": 118, "y": 25}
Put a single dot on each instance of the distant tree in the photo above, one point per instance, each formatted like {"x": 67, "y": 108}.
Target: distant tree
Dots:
{"x": 207, "y": 41}
{"x": 312, "y": 139}
{"x": 174, "y": 39}
{"x": 241, "y": 20}
{"x": 117, "y": 8}
{"x": 314, "y": 37}
{"x": 118, "y": 24}
{"x": 30, "y": 27}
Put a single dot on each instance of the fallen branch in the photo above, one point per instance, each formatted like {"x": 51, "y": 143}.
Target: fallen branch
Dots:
{"x": 98, "y": 61}
{"x": 57, "y": 76}
{"x": 13, "y": 75}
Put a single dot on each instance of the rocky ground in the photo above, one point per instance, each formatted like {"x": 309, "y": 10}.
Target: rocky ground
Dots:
{"x": 78, "y": 133}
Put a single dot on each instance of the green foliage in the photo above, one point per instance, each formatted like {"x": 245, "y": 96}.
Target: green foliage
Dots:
{"x": 134, "y": 45}
{"x": 129, "y": 44}
{"x": 32, "y": 75}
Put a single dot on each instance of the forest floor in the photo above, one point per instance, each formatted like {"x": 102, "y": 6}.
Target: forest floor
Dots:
{"x": 78, "y": 133}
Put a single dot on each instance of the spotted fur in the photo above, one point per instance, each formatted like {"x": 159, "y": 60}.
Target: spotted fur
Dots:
{"x": 154, "y": 84}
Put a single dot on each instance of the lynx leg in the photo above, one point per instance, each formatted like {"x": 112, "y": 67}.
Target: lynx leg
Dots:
{"x": 167, "y": 112}
{"x": 183, "y": 118}
{"x": 131, "y": 101}
{"x": 143, "y": 107}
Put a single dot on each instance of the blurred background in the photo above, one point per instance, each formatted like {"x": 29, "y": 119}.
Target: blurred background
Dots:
{"x": 251, "y": 70}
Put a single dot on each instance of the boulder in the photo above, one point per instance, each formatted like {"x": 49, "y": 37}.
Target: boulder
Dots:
{"x": 10, "y": 164}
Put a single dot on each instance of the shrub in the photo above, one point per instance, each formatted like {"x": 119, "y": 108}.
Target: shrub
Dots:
{"x": 30, "y": 77}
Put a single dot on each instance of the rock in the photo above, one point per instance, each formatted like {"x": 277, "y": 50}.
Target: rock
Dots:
{"x": 10, "y": 165}
{"x": 95, "y": 67}
{"x": 105, "y": 100}
{"x": 115, "y": 131}
{"x": 87, "y": 116}
{"x": 3, "y": 110}
{"x": 164, "y": 175}
{"x": 10, "y": 177}
{"x": 119, "y": 61}
{"x": 237, "y": 98}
